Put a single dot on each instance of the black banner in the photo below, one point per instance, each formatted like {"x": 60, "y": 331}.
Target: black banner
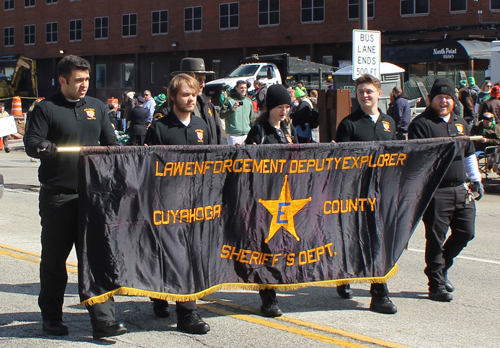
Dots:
{"x": 180, "y": 222}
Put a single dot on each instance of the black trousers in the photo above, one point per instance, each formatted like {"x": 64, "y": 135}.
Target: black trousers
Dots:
{"x": 448, "y": 208}
{"x": 59, "y": 219}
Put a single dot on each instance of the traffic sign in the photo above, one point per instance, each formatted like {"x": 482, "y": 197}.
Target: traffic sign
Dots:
{"x": 366, "y": 48}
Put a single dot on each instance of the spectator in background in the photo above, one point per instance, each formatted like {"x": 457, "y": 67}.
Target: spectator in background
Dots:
{"x": 113, "y": 116}
{"x": 138, "y": 117}
{"x": 489, "y": 130}
{"x": 238, "y": 112}
{"x": 301, "y": 116}
{"x": 314, "y": 97}
{"x": 467, "y": 101}
{"x": 330, "y": 84}
{"x": 484, "y": 95}
{"x": 400, "y": 112}
{"x": 492, "y": 105}
{"x": 149, "y": 105}
{"x": 3, "y": 114}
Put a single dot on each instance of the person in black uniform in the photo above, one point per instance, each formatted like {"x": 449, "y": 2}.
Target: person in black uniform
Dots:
{"x": 452, "y": 205}
{"x": 180, "y": 127}
{"x": 368, "y": 123}
{"x": 138, "y": 127}
{"x": 66, "y": 118}
{"x": 273, "y": 127}
{"x": 204, "y": 109}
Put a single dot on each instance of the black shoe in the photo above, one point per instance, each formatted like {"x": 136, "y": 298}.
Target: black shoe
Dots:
{"x": 270, "y": 309}
{"x": 383, "y": 305}
{"x": 7, "y": 150}
{"x": 440, "y": 295}
{"x": 192, "y": 323}
{"x": 55, "y": 327}
{"x": 108, "y": 329}
{"x": 344, "y": 291}
{"x": 448, "y": 285}
{"x": 160, "y": 308}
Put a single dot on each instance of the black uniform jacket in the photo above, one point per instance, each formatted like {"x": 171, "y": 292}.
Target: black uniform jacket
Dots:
{"x": 264, "y": 133}
{"x": 168, "y": 130}
{"x": 137, "y": 118}
{"x": 208, "y": 114}
{"x": 67, "y": 124}
{"x": 429, "y": 125}
{"x": 359, "y": 126}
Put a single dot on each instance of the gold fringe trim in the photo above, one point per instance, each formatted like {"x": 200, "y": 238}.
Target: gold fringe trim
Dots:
{"x": 231, "y": 286}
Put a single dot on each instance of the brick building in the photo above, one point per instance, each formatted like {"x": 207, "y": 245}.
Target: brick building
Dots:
{"x": 136, "y": 44}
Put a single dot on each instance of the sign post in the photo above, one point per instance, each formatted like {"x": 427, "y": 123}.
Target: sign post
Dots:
{"x": 366, "y": 48}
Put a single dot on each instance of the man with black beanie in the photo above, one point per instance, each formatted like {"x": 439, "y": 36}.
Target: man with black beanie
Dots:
{"x": 453, "y": 203}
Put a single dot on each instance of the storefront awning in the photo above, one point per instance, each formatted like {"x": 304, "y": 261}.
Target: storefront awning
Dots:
{"x": 461, "y": 50}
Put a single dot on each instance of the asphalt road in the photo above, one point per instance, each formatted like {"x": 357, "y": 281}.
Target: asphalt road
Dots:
{"x": 313, "y": 317}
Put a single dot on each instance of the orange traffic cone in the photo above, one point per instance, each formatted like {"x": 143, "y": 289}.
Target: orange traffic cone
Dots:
{"x": 17, "y": 107}
{"x": 1, "y": 143}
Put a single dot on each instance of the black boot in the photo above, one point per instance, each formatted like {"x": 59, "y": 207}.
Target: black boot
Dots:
{"x": 55, "y": 327}
{"x": 191, "y": 322}
{"x": 344, "y": 291}
{"x": 160, "y": 308}
{"x": 269, "y": 306}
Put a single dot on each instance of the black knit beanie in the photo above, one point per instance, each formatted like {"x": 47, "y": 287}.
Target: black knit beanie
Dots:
{"x": 442, "y": 85}
{"x": 277, "y": 95}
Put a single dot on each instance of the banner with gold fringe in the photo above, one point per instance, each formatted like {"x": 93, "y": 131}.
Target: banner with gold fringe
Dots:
{"x": 180, "y": 222}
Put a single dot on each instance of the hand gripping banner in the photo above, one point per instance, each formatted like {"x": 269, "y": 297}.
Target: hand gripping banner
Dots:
{"x": 180, "y": 222}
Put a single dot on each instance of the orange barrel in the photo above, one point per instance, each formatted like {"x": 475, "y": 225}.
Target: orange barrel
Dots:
{"x": 17, "y": 107}
{"x": 1, "y": 143}
{"x": 114, "y": 102}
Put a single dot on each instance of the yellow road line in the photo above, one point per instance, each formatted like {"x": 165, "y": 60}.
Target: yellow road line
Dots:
{"x": 318, "y": 327}
{"x": 305, "y": 333}
{"x": 35, "y": 258}
{"x": 31, "y": 257}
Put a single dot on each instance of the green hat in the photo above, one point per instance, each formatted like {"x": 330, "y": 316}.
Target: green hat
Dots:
{"x": 299, "y": 93}
{"x": 472, "y": 80}
{"x": 160, "y": 98}
{"x": 462, "y": 83}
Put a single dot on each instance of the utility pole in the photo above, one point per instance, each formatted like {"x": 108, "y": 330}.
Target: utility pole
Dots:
{"x": 363, "y": 14}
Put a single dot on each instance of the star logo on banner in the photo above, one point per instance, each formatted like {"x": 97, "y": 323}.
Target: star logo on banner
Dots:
{"x": 283, "y": 211}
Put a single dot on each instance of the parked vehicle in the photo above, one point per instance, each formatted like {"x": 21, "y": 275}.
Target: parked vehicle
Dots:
{"x": 272, "y": 69}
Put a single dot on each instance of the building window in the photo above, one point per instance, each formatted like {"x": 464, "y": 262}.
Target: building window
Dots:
{"x": 229, "y": 15}
{"x": 8, "y": 37}
{"x": 29, "y": 3}
{"x": 414, "y": 7}
{"x": 128, "y": 75}
{"x": 192, "y": 18}
{"x": 159, "y": 22}
{"x": 494, "y": 5}
{"x": 353, "y": 11}
{"x": 50, "y": 2}
{"x": 100, "y": 75}
{"x": 328, "y": 60}
{"x": 313, "y": 11}
{"x": 101, "y": 28}
{"x": 269, "y": 12}
{"x": 29, "y": 34}
{"x": 8, "y": 5}
{"x": 51, "y": 32}
{"x": 75, "y": 30}
{"x": 458, "y": 5}
{"x": 129, "y": 25}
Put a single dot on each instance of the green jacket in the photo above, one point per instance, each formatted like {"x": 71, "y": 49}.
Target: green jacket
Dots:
{"x": 239, "y": 120}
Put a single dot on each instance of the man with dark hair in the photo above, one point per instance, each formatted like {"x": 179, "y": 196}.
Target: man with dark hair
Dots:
{"x": 66, "y": 118}
{"x": 368, "y": 123}
{"x": 138, "y": 118}
{"x": 180, "y": 127}
{"x": 238, "y": 112}
{"x": 452, "y": 205}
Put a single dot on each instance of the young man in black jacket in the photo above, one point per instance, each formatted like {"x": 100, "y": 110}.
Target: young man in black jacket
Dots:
{"x": 66, "y": 118}
{"x": 368, "y": 123}
{"x": 180, "y": 127}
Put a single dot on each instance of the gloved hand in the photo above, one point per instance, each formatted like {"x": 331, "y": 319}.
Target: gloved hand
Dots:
{"x": 46, "y": 149}
{"x": 477, "y": 189}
